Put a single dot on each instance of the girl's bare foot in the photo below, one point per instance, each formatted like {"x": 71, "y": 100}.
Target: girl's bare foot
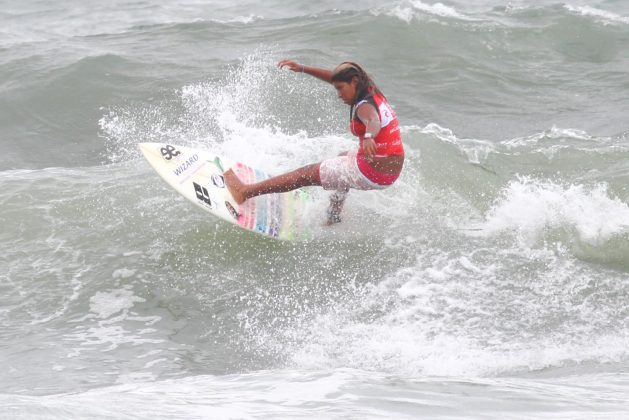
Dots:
{"x": 235, "y": 186}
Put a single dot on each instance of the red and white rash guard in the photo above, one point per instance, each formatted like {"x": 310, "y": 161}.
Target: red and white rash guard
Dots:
{"x": 388, "y": 141}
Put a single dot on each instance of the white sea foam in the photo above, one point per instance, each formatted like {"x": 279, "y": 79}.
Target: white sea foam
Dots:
{"x": 415, "y": 9}
{"x": 530, "y": 207}
{"x": 229, "y": 116}
{"x": 106, "y": 304}
{"x": 548, "y": 142}
{"x": 476, "y": 150}
{"x": 408, "y": 11}
{"x": 453, "y": 316}
{"x": 604, "y": 15}
{"x": 123, "y": 273}
{"x": 340, "y": 393}
{"x": 554, "y": 133}
{"x": 476, "y": 313}
{"x": 244, "y": 19}
{"x": 438, "y": 9}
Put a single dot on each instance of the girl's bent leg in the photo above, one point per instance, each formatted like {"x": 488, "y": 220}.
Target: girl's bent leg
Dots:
{"x": 302, "y": 177}
{"x": 337, "y": 199}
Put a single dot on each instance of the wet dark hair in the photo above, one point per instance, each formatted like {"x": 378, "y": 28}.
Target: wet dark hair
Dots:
{"x": 346, "y": 71}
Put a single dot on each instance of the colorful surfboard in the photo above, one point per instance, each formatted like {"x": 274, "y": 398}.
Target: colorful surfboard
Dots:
{"x": 198, "y": 175}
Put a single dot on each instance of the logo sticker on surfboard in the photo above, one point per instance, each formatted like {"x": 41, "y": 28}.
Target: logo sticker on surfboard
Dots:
{"x": 169, "y": 152}
{"x": 218, "y": 180}
{"x": 203, "y": 195}
{"x": 232, "y": 210}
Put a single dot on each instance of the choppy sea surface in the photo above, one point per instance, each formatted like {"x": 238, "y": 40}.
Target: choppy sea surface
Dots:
{"x": 491, "y": 281}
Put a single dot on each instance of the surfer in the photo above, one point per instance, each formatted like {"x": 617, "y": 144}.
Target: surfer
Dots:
{"x": 375, "y": 165}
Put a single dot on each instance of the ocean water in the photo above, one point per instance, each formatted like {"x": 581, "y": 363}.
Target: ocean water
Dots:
{"x": 491, "y": 281}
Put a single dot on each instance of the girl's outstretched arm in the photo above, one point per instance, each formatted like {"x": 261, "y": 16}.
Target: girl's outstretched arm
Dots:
{"x": 318, "y": 72}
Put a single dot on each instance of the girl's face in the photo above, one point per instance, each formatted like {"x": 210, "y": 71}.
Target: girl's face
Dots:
{"x": 346, "y": 91}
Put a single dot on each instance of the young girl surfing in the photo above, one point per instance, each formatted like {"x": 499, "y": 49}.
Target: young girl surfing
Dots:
{"x": 375, "y": 165}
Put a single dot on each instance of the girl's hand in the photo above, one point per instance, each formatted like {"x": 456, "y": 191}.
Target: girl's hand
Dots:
{"x": 292, "y": 65}
{"x": 369, "y": 148}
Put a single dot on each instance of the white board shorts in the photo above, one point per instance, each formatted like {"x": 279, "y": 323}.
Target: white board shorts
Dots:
{"x": 341, "y": 173}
